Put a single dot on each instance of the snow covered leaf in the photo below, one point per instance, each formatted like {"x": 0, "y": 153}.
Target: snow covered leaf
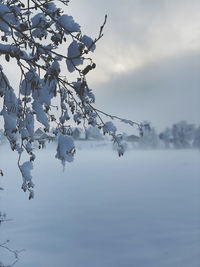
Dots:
{"x": 38, "y": 20}
{"x": 65, "y": 149}
{"x": 4, "y": 13}
{"x": 51, "y": 8}
{"x": 26, "y": 168}
{"x": 74, "y": 56}
{"x": 40, "y": 114}
{"x": 109, "y": 127}
{"x": 29, "y": 121}
{"x": 10, "y": 121}
{"x": 89, "y": 43}
{"x": 68, "y": 23}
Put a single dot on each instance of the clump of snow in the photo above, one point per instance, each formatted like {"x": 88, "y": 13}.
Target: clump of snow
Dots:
{"x": 6, "y": 15}
{"x": 26, "y": 168}
{"x": 38, "y": 20}
{"x": 39, "y": 25}
{"x": 40, "y": 114}
{"x": 64, "y": 117}
{"x": 65, "y": 148}
{"x": 89, "y": 43}
{"x": 27, "y": 184}
{"x": 51, "y": 8}
{"x": 29, "y": 121}
{"x": 24, "y": 133}
{"x": 68, "y": 23}
{"x": 109, "y": 127}
{"x": 73, "y": 55}
{"x": 9, "y": 121}
{"x": 4, "y": 83}
{"x": 55, "y": 68}
{"x": 28, "y": 147}
{"x": 10, "y": 100}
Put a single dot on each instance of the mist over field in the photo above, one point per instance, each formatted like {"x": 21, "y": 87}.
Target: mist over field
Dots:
{"x": 138, "y": 210}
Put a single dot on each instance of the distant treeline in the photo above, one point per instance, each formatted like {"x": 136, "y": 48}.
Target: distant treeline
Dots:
{"x": 179, "y": 136}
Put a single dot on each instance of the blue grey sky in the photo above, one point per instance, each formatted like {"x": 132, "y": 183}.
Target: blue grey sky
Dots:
{"x": 148, "y": 62}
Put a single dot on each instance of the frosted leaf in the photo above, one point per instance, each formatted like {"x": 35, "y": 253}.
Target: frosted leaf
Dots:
{"x": 3, "y": 10}
{"x": 24, "y": 133}
{"x": 25, "y": 88}
{"x": 29, "y": 121}
{"x": 68, "y": 23}
{"x": 121, "y": 148}
{"x": 63, "y": 106}
{"x": 8, "y": 16}
{"x": 31, "y": 194}
{"x": 73, "y": 52}
{"x": 65, "y": 148}
{"x": 45, "y": 49}
{"x": 10, "y": 100}
{"x": 109, "y": 127}
{"x": 77, "y": 117}
{"x": 92, "y": 121}
{"x": 26, "y": 168}
{"x": 39, "y": 33}
{"x": 55, "y": 68}
{"x": 88, "y": 42}
{"x": 77, "y": 86}
{"x": 5, "y": 48}
{"x": 16, "y": 9}
{"x": 38, "y": 20}
{"x": 9, "y": 121}
{"x": 40, "y": 114}
{"x": 28, "y": 147}
{"x": 51, "y": 8}
{"x": 4, "y": 83}
{"x": 43, "y": 94}
{"x": 64, "y": 117}
{"x": 91, "y": 96}
{"x": 30, "y": 83}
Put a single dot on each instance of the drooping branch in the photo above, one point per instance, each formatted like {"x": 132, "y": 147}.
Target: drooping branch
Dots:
{"x": 4, "y": 245}
{"x": 34, "y": 33}
{"x": 15, "y": 253}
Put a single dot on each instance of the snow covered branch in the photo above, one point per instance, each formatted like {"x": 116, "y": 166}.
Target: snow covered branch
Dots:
{"x": 44, "y": 43}
{"x": 5, "y": 246}
{"x": 15, "y": 254}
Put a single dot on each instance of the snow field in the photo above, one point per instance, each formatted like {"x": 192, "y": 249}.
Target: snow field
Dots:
{"x": 139, "y": 210}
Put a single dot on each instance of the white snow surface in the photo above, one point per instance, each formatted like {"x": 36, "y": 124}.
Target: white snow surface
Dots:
{"x": 140, "y": 210}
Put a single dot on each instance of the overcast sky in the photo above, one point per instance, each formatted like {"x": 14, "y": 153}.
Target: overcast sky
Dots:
{"x": 148, "y": 62}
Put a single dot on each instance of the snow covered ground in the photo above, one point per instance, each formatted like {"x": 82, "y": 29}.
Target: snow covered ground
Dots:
{"x": 141, "y": 210}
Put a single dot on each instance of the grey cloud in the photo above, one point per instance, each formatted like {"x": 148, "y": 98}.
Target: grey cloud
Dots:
{"x": 162, "y": 92}
{"x": 133, "y": 20}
